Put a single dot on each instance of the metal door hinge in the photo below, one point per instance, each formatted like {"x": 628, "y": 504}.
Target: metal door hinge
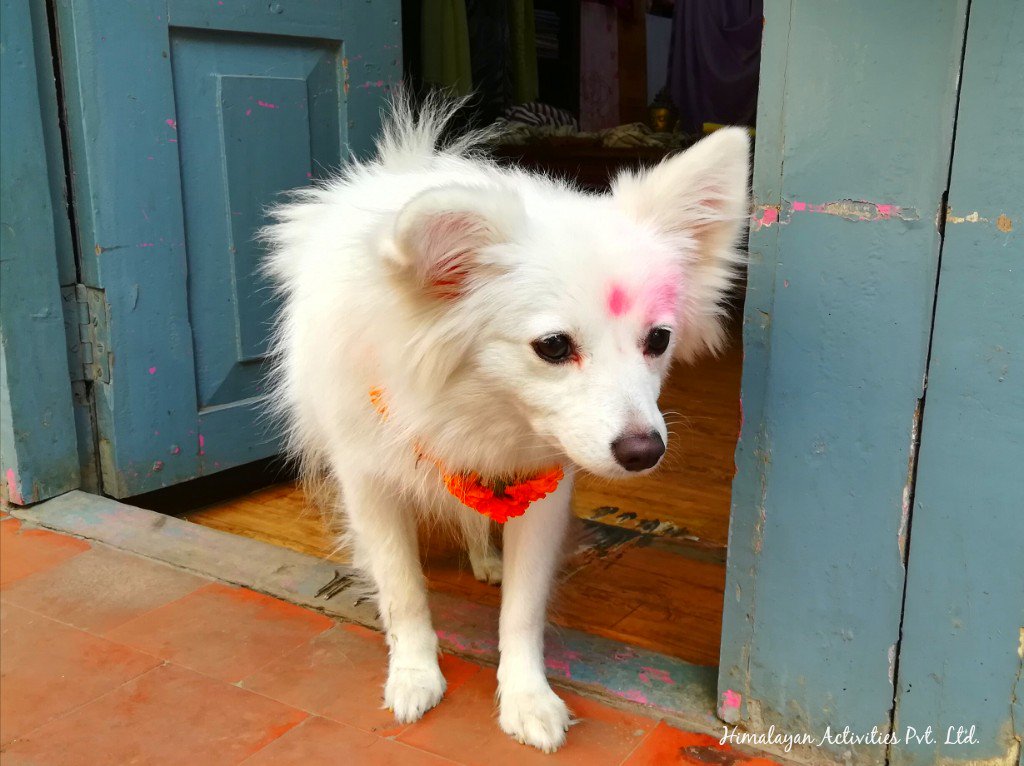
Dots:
{"x": 86, "y": 313}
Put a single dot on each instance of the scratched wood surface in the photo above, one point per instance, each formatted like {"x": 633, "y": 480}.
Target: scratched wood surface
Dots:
{"x": 646, "y": 561}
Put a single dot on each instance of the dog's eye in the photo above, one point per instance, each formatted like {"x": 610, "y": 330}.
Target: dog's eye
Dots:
{"x": 657, "y": 341}
{"x": 554, "y": 348}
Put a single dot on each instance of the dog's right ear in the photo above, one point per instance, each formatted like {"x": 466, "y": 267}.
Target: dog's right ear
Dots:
{"x": 442, "y": 237}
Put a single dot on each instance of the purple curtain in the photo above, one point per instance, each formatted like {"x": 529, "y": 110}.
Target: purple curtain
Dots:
{"x": 714, "y": 61}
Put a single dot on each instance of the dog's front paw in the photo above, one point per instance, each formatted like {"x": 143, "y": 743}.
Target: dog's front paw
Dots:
{"x": 538, "y": 718}
{"x": 412, "y": 691}
{"x": 486, "y": 566}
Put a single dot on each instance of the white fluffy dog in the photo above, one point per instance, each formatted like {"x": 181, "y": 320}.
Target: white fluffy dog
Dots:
{"x": 459, "y": 337}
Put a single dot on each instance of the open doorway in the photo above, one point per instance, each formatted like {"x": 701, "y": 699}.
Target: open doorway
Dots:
{"x": 583, "y": 90}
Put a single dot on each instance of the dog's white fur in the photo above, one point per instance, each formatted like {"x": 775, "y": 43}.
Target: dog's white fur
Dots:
{"x": 428, "y": 272}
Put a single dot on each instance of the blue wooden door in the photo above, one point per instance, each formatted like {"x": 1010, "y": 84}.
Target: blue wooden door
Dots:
{"x": 962, "y": 650}
{"x": 186, "y": 119}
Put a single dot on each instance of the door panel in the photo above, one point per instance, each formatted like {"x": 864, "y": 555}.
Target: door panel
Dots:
{"x": 244, "y": 108}
{"x": 963, "y": 628}
{"x": 186, "y": 120}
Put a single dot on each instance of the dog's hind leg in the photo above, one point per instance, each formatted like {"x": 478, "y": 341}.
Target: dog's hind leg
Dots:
{"x": 483, "y": 556}
{"x": 384, "y": 538}
{"x": 529, "y": 711}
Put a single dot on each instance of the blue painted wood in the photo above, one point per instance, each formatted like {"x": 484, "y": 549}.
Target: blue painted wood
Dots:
{"x": 960, "y": 660}
{"x": 854, "y": 130}
{"x": 186, "y": 119}
{"x": 38, "y": 451}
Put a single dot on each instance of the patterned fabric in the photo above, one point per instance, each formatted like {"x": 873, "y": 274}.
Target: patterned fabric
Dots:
{"x": 539, "y": 114}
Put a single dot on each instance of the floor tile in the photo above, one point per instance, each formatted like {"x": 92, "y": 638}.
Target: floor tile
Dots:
{"x": 167, "y": 716}
{"x": 340, "y": 675}
{"x": 464, "y": 727}
{"x": 667, "y": 744}
{"x": 101, "y": 589}
{"x": 25, "y": 551}
{"x": 222, "y": 631}
{"x": 49, "y": 668}
{"x": 319, "y": 741}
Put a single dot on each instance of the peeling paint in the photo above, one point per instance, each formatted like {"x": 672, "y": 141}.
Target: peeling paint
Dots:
{"x": 974, "y": 217}
{"x": 1004, "y": 224}
{"x": 847, "y": 209}
{"x": 729, "y": 708}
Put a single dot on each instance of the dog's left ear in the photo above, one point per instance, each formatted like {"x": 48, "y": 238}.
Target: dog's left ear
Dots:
{"x": 700, "y": 197}
{"x": 443, "y": 237}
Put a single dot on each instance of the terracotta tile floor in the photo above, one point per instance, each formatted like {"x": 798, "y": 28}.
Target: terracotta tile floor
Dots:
{"x": 109, "y": 658}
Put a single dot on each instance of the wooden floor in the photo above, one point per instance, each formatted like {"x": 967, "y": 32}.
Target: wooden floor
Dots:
{"x": 648, "y": 555}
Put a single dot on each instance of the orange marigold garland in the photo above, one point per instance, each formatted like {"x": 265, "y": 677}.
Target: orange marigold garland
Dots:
{"x": 501, "y": 501}
{"x": 504, "y": 501}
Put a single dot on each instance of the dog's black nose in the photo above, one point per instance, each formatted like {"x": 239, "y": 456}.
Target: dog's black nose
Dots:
{"x": 638, "y": 452}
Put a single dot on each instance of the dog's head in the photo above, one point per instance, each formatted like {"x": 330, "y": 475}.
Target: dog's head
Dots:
{"x": 567, "y": 308}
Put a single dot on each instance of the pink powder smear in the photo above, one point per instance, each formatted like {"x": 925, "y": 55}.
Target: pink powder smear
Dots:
{"x": 633, "y": 695}
{"x": 646, "y": 674}
{"x": 267, "y": 105}
{"x": 12, "y": 488}
{"x": 730, "y": 699}
{"x": 202, "y": 444}
{"x": 561, "y": 666}
{"x": 661, "y": 301}
{"x": 618, "y": 301}
{"x": 152, "y": 370}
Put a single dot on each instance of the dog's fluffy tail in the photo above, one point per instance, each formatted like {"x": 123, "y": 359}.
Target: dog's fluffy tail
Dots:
{"x": 412, "y": 135}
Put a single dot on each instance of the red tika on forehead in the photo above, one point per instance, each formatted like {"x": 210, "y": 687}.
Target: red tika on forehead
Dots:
{"x": 618, "y": 301}
{"x": 661, "y": 300}
{"x": 658, "y": 300}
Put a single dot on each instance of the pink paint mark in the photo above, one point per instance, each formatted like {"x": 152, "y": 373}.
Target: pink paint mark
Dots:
{"x": 202, "y": 445}
{"x": 769, "y": 216}
{"x": 175, "y": 450}
{"x": 785, "y": 283}
{"x": 172, "y": 123}
{"x": 658, "y": 674}
{"x": 561, "y": 666}
{"x": 12, "y": 488}
{"x": 884, "y": 211}
{"x": 152, "y": 370}
{"x": 380, "y": 83}
{"x": 248, "y": 112}
{"x": 266, "y": 105}
{"x": 146, "y": 244}
{"x": 799, "y": 206}
{"x": 309, "y": 175}
{"x": 731, "y": 699}
{"x": 172, "y": 140}
{"x": 633, "y": 695}
{"x": 618, "y": 301}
